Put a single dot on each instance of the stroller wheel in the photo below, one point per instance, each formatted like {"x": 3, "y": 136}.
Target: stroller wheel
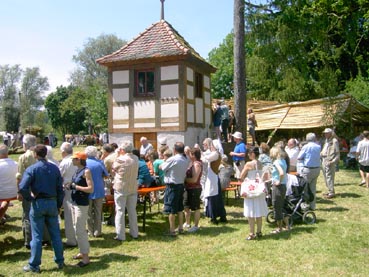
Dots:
{"x": 309, "y": 217}
{"x": 270, "y": 217}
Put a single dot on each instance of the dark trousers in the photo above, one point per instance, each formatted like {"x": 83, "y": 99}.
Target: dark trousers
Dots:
{"x": 225, "y": 124}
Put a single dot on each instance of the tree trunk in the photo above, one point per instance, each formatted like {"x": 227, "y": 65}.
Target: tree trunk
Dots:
{"x": 239, "y": 78}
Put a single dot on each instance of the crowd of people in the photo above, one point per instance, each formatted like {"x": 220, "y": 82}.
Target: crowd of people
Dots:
{"x": 193, "y": 177}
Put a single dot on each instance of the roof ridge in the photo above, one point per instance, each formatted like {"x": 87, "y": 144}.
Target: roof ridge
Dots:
{"x": 173, "y": 35}
{"x": 127, "y": 44}
{"x": 160, "y": 39}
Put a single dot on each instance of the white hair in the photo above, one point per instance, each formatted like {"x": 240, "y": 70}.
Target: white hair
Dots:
{"x": 310, "y": 137}
{"x": 91, "y": 151}
{"x": 29, "y": 140}
{"x": 66, "y": 147}
{"x": 127, "y": 146}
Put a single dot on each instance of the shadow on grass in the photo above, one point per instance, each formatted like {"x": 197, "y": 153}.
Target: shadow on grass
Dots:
{"x": 346, "y": 184}
{"x": 349, "y": 194}
{"x": 285, "y": 235}
{"x": 11, "y": 225}
{"x": 334, "y": 209}
{"x": 96, "y": 264}
{"x": 10, "y": 243}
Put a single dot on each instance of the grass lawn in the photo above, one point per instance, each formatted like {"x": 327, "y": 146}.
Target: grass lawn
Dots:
{"x": 336, "y": 245}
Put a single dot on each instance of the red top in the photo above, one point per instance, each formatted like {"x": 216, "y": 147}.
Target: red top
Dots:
{"x": 197, "y": 184}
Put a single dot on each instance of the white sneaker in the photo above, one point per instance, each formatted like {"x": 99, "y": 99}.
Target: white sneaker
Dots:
{"x": 193, "y": 229}
{"x": 185, "y": 225}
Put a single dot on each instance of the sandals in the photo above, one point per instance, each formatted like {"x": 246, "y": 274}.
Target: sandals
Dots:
{"x": 251, "y": 237}
{"x": 82, "y": 264}
{"x": 77, "y": 257}
{"x": 259, "y": 234}
{"x": 170, "y": 234}
{"x": 276, "y": 231}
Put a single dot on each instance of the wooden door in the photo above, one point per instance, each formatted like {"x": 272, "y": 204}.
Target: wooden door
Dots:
{"x": 151, "y": 137}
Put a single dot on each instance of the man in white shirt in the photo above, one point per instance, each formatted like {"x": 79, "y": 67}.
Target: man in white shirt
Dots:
{"x": 363, "y": 156}
{"x": 67, "y": 170}
{"x": 145, "y": 146}
{"x": 292, "y": 151}
{"x": 8, "y": 182}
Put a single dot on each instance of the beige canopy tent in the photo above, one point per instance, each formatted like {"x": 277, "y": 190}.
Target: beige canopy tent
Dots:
{"x": 316, "y": 113}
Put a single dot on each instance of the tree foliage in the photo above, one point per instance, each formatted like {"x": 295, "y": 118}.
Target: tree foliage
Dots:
{"x": 9, "y": 104}
{"x": 33, "y": 85}
{"x": 21, "y": 96}
{"x": 222, "y": 79}
{"x": 301, "y": 50}
{"x": 92, "y": 79}
{"x": 65, "y": 111}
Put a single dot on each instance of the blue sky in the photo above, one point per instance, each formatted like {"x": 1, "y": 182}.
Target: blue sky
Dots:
{"x": 47, "y": 33}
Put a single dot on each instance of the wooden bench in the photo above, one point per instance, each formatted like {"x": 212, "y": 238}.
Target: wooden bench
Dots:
{"x": 233, "y": 186}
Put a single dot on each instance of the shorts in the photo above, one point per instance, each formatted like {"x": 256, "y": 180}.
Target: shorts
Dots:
{"x": 364, "y": 168}
{"x": 252, "y": 130}
{"x": 191, "y": 199}
{"x": 173, "y": 198}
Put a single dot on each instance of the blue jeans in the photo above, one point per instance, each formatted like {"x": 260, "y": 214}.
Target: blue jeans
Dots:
{"x": 45, "y": 211}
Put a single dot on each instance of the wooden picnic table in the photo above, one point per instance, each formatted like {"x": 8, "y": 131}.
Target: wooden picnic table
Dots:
{"x": 145, "y": 192}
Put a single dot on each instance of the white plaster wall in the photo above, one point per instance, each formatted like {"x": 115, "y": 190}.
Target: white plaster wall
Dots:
{"x": 170, "y": 91}
{"x": 199, "y": 110}
{"x": 190, "y": 94}
{"x": 191, "y": 137}
{"x": 119, "y": 126}
{"x": 206, "y": 81}
{"x": 196, "y": 135}
{"x": 120, "y": 95}
{"x": 121, "y": 77}
{"x": 189, "y": 74}
{"x": 169, "y": 110}
{"x": 119, "y": 138}
{"x": 144, "y": 125}
{"x": 169, "y": 72}
{"x": 208, "y": 116}
{"x": 121, "y": 112}
{"x": 190, "y": 113}
{"x": 207, "y": 97}
{"x": 144, "y": 109}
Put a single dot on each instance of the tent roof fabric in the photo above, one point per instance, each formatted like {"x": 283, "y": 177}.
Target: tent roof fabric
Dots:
{"x": 308, "y": 114}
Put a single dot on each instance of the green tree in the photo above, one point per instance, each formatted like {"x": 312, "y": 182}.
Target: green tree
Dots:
{"x": 222, "y": 59}
{"x": 64, "y": 112}
{"x": 33, "y": 86}
{"x": 92, "y": 79}
{"x": 300, "y": 50}
{"x": 359, "y": 88}
{"x": 9, "y": 104}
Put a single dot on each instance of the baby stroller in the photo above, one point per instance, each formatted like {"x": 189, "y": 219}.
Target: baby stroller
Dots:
{"x": 296, "y": 206}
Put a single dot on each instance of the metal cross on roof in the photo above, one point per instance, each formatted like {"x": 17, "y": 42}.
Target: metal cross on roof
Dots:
{"x": 162, "y": 9}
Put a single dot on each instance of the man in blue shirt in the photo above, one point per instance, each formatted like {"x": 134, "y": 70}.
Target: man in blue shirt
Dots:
{"x": 310, "y": 157}
{"x": 98, "y": 172}
{"x": 42, "y": 186}
{"x": 238, "y": 154}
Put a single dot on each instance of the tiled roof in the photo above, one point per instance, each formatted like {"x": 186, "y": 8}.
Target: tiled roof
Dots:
{"x": 160, "y": 40}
